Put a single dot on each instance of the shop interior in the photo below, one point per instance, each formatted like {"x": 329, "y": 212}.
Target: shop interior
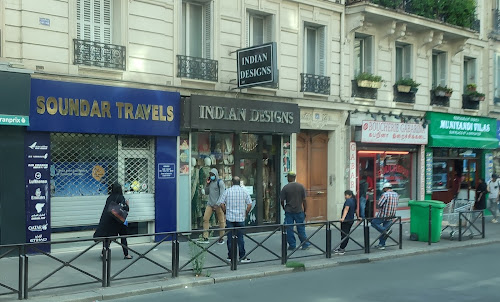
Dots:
{"x": 255, "y": 158}
{"x": 455, "y": 173}
{"x": 379, "y": 167}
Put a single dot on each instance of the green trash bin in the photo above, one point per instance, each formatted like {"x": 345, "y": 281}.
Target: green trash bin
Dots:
{"x": 419, "y": 219}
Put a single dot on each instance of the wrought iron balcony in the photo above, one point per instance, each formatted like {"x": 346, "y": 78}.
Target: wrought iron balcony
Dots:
{"x": 197, "y": 68}
{"x": 315, "y": 83}
{"x": 99, "y": 54}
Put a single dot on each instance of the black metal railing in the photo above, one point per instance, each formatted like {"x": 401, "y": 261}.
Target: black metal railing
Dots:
{"x": 467, "y": 222}
{"x": 99, "y": 54}
{"x": 40, "y": 270}
{"x": 197, "y": 68}
{"x": 431, "y": 11}
{"x": 315, "y": 83}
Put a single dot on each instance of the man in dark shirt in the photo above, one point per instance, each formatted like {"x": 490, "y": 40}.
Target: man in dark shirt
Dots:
{"x": 293, "y": 201}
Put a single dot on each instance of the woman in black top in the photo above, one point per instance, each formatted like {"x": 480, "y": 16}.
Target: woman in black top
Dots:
{"x": 109, "y": 226}
{"x": 481, "y": 191}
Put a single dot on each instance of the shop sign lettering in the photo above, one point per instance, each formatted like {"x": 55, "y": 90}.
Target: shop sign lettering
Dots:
{"x": 393, "y": 133}
{"x": 243, "y": 114}
{"x": 257, "y": 65}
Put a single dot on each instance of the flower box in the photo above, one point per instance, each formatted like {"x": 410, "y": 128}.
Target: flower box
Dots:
{"x": 404, "y": 88}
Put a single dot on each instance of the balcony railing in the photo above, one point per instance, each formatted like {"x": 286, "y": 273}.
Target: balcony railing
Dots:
{"x": 99, "y": 54}
{"x": 315, "y": 83}
{"x": 431, "y": 11}
{"x": 197, "y": 68}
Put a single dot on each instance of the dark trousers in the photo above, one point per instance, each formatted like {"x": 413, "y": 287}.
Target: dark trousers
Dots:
{"x": 346, "y": 228}
{"x": 122, "y": 232}
{"x": 240, "y": 240}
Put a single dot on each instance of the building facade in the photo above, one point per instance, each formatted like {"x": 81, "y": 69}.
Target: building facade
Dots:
{"x": 340, "y": 67}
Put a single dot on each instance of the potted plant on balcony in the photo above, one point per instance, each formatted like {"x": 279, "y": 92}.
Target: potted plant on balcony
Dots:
{"x": 368, "y": 80}
{"x": 407, "y": 85}
{"x": 443, "y": 91}
{"x": 473, "y": 95}
{"x": 471, "y": 87}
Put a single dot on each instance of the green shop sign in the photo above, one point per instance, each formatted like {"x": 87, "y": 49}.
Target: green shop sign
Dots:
{"x": 461, "y": 131}
{"x": 14, "y": 120}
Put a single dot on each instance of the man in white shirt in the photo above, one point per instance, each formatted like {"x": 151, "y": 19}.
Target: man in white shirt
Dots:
{"x": 493, "y": 189}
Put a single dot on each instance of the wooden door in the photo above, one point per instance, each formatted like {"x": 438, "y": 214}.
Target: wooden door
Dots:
{"x": 312, "y": 171}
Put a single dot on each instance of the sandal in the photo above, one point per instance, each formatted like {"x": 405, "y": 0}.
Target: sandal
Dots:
{"x": 128, "y": 257}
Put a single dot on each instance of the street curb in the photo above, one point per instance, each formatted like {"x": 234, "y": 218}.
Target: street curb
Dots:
{"x": 274, "y": 270}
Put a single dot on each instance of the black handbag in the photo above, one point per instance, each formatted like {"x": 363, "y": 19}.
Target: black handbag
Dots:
{"x": 117, "y": 211}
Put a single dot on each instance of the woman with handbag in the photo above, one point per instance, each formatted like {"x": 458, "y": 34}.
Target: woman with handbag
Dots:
{"x": 110, "y": 225}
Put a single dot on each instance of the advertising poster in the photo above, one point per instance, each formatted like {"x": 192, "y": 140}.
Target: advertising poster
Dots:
{"x": 37, "y": 173}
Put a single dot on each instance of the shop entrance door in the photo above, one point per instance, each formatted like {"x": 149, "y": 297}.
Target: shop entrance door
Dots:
{"x": 312, "y": 171}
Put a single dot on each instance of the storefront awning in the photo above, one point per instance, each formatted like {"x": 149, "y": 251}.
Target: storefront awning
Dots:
{"x": 447, "y": 141}
{"x": 461, "y": 131}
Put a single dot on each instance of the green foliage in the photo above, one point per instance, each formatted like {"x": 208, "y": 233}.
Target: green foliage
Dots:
{"x": 389, "y": 3}
{"x": 407, "y": 82}
{"x": 443, "y": 88}
{"x": 365, "y": 76}
{"x": 474, "y": 94}
{"x": 471, "y": 86}
{"x": 198, "y": 255}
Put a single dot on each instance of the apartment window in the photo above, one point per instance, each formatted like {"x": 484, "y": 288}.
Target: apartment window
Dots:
{"x": 497, "y": 78}
{"x": 260, "y": 29}
{"x": 94, "y": 20}
{"x": 197, "y": 29}
{"x": 469, "y": 72}
{"x": 314, "y": 50}
{"x": 403, "y": 61}
{"x": 363, "y": 54}
{"x": 439, "y": 69}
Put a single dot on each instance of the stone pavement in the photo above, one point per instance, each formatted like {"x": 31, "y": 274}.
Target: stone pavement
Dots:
{"x": 265, "y": 262}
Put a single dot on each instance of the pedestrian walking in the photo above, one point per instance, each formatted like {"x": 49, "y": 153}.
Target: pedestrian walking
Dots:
{"x": 293, "y": 202}
{"x": 108, "y": 225}
{"x": 214, "y": 189}
{"x": 494, "y": 190}
{"x": 363, "y": 190}
{"x": 346, "y": 220}
{"x": 387, "y": 205}
{"x": 236, "y": 203}
{"x": 481, "y": 191}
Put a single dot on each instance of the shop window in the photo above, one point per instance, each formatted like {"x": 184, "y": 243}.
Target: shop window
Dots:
{"x": 395, "y": 169}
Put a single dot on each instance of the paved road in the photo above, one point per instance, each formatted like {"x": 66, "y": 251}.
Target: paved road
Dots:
{"x": 466, "y": 274}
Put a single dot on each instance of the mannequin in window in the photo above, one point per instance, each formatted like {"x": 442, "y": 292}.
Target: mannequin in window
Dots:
{"x": 266, "y": 186}
{"x": 196, "y": 214}
{"x": 204, "y": 174}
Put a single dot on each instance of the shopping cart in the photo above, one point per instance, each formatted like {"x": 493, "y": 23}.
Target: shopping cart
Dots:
{"x": 451, "y": 215}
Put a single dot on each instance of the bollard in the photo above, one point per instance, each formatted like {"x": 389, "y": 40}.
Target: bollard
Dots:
{"x": 482, "y": 223}
{"x": 21, "y": 263}
{"x": 328, "y": 241}
{"x": 234, "y": 249}
{"x": 460, "y": 226}
{"x": 400, "y": 234}
{"x": 107, "y": 256}
{"x": 25, "y": 275}
{"x": 283, "y": 245}
{"x": 104, "y": 273}
{"x": 175, "y": 256}
{"x": 366, "y": 230}
{"x": 430, "y": 223}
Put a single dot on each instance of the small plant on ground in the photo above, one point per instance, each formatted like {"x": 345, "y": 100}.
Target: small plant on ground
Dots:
{"x": 198, "y": 257}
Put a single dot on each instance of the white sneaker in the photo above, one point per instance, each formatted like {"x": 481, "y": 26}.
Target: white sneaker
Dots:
{"x": 494, "y": 220}
{"x": 245, "y": 260}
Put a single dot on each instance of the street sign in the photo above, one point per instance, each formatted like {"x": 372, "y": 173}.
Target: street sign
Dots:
{"x": 14, "y": 120}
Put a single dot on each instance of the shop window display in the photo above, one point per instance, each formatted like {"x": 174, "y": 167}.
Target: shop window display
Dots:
{"x": 209, "y": 150}
{"x": 395, "y": 169}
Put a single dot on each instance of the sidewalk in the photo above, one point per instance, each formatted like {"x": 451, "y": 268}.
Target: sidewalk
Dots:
{"x": 264, "y": 263}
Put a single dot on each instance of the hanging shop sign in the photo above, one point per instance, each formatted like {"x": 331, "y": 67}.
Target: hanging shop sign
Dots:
{"x": 84, "y": 108}
{"x": 393, "y": 133}
{"x": 461, "y": 131}
{"x": 257, "y": 65}
{"x": 225, "y": 114}
{"x": 37, "y": 172}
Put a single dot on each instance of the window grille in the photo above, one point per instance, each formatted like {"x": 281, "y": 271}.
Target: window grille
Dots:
{"x": 87, "y": 164}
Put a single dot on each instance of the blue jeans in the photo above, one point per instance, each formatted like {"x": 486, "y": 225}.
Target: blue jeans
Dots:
{"x": 291, "y": 218}
{"x": 362, "y": 206}
{"x": 381, "y": 225}
{"x": 239, "y": 234}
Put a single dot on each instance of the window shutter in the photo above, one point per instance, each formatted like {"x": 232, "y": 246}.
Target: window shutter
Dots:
{"x": 321, "y": 32}
{"x": 497, "y": 75}
{"x": 269, "y": 29}
{"x": 407, "y": 60}
{"x": 248, "y": 29}
{"x": 442, "y": 69}
{"x": 94, "y": 20}
{"x": 472, "y": 72}
{"x": 368, "y": 55}
{"x": 208, "y": 30}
